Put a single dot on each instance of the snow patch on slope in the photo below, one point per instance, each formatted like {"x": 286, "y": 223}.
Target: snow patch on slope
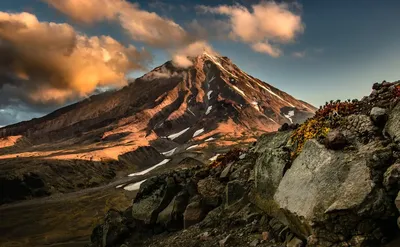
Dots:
{"x": 238, "y": 90}
{"x": 267, "y": 89}
{"x": 289, "y": 116}
{"x": 149, "y": 169}
{"x": 176, "y": 135}
{"x": 135, "y": 186}
{"x": 191, "y": 112}
{"x": 198, "y": 132}
{"x": 214, "y": 59}
{"x": 214, "y": 158}
{"x": 193, "y": 146}
{"x": 209, "y": 94}
{"x": 209, "y": 110}
{"x": 210, "y": 139}
{"x": 169, "y": 153}
{"x": 255, "y": 105}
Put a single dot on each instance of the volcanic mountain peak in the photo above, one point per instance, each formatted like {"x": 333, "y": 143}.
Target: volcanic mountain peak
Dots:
{"x": 169, "y": 107}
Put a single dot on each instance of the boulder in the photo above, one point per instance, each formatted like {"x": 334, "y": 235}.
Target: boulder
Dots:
{"x": 322, "y": 185}
{"x": 359, "y": 124}
{"x": 194, "y": 213}
{"x": 112, "y": 232}
{"x": 225, "y": 173}
{"x": 269, "y": 170}
{"x": 378, "y": 116}
{"x": 234, "y": 191}
{"x": 148, "y": 207}
{"x": 335, "y": 140}
{"x": 271, "y": 164}
{"x": 211, "y": 191}
{"x": 172, "y": 216}
{"x": 391, "y": 178}
{"x": 272, "y": 141}
{"x": 295, "y": 242}
{"x": 284, "y": 127}
{"x": 393, "y": 124}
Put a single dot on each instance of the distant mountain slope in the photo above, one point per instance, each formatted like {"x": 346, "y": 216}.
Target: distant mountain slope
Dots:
{"x": 167, "y": 116}
{"x": 211, "y": 98}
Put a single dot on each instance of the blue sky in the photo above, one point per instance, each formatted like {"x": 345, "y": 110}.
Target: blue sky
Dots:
{"x": 346, "y": 46}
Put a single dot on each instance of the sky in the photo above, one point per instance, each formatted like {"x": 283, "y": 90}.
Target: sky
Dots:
{"x": 55, "y": 52}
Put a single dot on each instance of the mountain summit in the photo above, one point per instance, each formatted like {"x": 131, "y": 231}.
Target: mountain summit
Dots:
{"x": 213, "y": 99}
{"x": 166, "y": 115}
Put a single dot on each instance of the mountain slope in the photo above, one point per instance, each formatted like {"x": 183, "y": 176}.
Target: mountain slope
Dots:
{"x": 172, "y": 112}
{"x": 214, "y": 95}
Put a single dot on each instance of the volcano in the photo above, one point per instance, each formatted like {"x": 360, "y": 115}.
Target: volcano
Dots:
{"x": 168, "y": 115}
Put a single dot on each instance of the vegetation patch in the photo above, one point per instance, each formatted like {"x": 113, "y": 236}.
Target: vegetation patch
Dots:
{"x": 328, "y": 117}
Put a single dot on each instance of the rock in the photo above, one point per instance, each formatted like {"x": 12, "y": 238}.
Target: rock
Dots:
{"x": 277, "y": 227}
{"x": 111, "y": 232}
{"x": 224, "y": 241}
{"x": 397, "y": 201}
{"x": 265, "y": 236}
{"x": 172, "y": 216}
{"x": 358, "y": 241}
{"x": 294, "y": 242}
{"x": 204, "y": 236}
{"x": 234, "y": 191}
{"x": 226, "y": 171}
{"x": 379, "y": 116}
{"x": 398, "y": 222}
{"x": 322, "y": 182}
{"x": 255, "y": 242}
{"x": 272, "y": 141}
{"x": 148, "y": 207}
{"x": 213, "y": 218}
{"x": 376, "y": 86}
{"x": 284, "y": 127}
{"x": 391, "y": 178}
{"x": 335, "y": 140}
{"x": 359, "y": 124}
{"x": 270, "y": 167}
{"x": 393, "y": 124}
{"x": 194, "y": 214}
{"x": 211, "y": 191}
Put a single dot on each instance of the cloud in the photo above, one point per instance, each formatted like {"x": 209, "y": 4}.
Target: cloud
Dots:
{"x": 266, "y": 48}
{"x": 299, "y": 54}
{"x": 141, "y": 25}
{"x": 264, "y": 24}
{"x": 181, "y": 58}
{"x": 46, "y": 62}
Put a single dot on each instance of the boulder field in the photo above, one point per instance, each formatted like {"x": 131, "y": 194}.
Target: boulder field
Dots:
{"x": 333, "y": 181}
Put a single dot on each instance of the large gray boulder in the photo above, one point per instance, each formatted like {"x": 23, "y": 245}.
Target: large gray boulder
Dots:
{"x": 328, "y": 195}
{"x": 393, "y": 124}
{"x": 321, "y": 181}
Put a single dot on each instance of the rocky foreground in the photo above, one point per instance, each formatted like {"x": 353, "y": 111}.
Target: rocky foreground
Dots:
{"x": 332, "y": 181}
